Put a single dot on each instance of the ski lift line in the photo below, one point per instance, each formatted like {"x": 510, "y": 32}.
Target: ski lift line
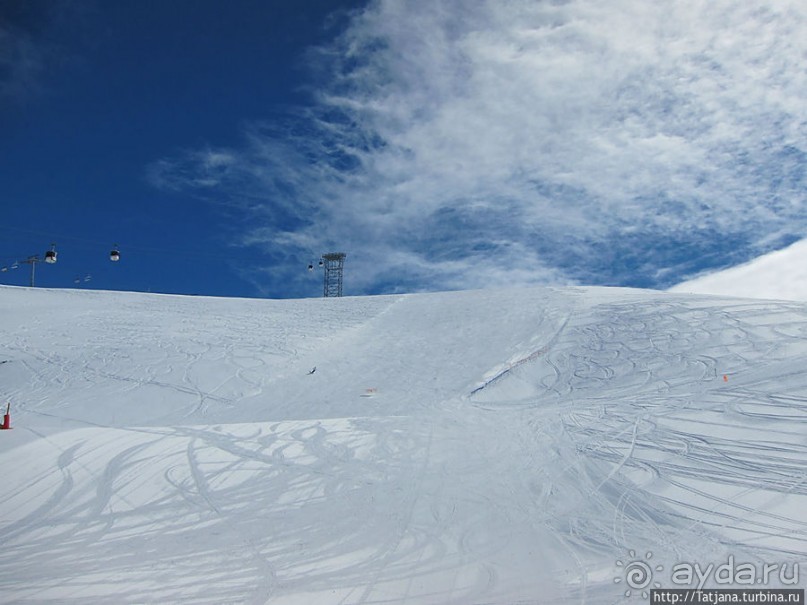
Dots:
{"x": 49, "y": 235}
{"x": 172, "y": 252}
{"x": 121, "y": 250}
{"x": 86, "y": 243}
{"x": 49, "y": 257}
{"x": 29, "y": 231}
{"x": 191, "y": 254}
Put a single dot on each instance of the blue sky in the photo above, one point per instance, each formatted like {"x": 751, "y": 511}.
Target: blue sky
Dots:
{"x": 440, "y": 144}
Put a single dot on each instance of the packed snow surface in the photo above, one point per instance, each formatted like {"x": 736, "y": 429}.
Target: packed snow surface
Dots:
{"x": 781, "y": 274}
{"x": 500, "y": 447}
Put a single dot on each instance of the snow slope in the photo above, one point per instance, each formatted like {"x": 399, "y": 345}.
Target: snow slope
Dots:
{"x": 780, "y": 275}
{"x": 512, "y": 446}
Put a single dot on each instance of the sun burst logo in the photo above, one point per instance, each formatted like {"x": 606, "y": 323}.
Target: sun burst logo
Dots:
{"x": 637, "y": 573}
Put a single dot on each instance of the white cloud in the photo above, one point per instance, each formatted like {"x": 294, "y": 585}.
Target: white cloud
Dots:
{"x": 200, "y": 169}
{"x": 21, "y": 63}
{"x": 608, "y": 142}
{"x": 32, "y": 45}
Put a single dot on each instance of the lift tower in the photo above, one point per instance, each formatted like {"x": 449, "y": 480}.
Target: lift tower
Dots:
{"x": 334, "y": 263}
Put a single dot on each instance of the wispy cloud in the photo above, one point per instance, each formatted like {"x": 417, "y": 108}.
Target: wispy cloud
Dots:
{"x": 21, "y": 63}
{"x": 31, "y": 43}
{"x": 455, "y": 144}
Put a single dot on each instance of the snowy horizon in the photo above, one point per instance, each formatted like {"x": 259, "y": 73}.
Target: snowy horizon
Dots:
{"x": 779, "y": 275}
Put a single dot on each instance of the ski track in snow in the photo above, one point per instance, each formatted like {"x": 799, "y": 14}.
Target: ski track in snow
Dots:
{"x": 176, "y": 450}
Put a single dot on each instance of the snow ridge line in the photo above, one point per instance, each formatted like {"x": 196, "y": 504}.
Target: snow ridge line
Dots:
{"x": 531, "y": 357}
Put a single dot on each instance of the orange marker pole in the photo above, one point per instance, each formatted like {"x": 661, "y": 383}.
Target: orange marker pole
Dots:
{"x": 7, "y": 418}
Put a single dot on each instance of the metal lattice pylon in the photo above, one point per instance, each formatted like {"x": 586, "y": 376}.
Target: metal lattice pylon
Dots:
{"x": 334, "y": 266}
